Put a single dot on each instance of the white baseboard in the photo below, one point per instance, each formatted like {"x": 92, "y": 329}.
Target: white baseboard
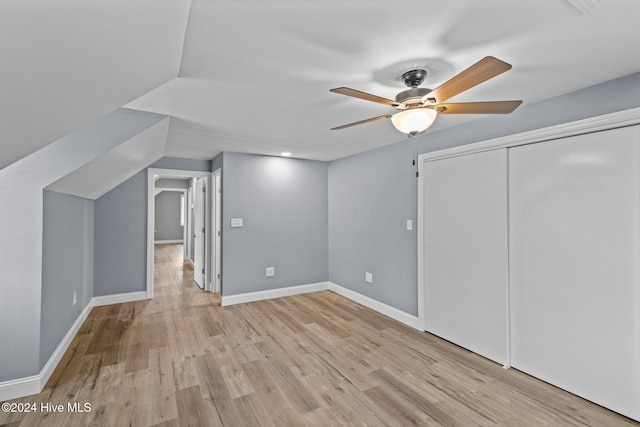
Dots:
{"x": 21, "y": 387}
{"x": 381, "y": 308}
{"x": 375, "y": 305}
{"x": 118, "y": 298}
{"x": 273, "y": 293}
{"x": 164, "y": 242}
{"x": 55, "y": 358}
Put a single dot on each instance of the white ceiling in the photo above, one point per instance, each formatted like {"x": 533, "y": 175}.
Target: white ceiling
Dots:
{"x": 254, "y": 75}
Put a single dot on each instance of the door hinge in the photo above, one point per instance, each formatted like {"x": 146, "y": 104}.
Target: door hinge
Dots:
{"x": 203, "y": 229}
{"x": 219, "y": 233}
{"x": 218, "y": 276}
{"x": 203, "y": 271}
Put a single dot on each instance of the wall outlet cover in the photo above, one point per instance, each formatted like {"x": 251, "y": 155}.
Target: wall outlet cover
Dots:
{"x": 236, "y": 222}
{"x": 368, "y": 277}
{"x": 271, "y": 271}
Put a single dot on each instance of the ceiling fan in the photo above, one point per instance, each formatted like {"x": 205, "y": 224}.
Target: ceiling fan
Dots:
{"x": 418, "y": 107}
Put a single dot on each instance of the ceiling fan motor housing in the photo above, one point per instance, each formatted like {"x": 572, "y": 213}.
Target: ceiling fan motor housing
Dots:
{"x": 412, "y": 96}
{"x": 413, "y": 79}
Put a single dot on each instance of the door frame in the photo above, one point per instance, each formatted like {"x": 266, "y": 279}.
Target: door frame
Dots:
{"x": 200, "y": 210}
{"x": 216, "y": 215}
{"x": 153, "y": 174}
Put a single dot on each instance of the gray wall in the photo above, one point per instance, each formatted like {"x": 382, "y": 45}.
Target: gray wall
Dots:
{"x": 120, "y": 254}
{"x": 371, "y": 197}
{"x": 283, "y": 203}
{"x": 167, "y": 219}
{"x": 183, "y": 164}
{"x": 120, "y": 247}
{"x": 372, "y": 194}
{"x": 216, "y": 163}
{"x": 67, "y": 266}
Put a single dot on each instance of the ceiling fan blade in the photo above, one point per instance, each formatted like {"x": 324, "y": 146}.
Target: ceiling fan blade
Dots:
{"x": 373, "y": 119}
{"x": 496, "y": 107}
{"x": 479, "y": 72}
{"x": 366, "y": 96}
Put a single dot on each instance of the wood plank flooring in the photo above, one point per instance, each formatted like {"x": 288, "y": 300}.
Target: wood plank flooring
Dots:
{"x": 309, "y": 360}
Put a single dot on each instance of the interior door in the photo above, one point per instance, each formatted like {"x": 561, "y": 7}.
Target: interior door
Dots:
{"x": 465, "y": 251}
{"x": 199, "y": 233}
{"x": 575, "y": 317}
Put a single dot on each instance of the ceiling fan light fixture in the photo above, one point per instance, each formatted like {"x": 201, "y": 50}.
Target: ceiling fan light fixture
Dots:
{"x": 413, "y": 120}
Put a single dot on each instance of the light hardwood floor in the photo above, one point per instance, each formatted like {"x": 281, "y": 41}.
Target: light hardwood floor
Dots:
{"x": 309, "y": 360}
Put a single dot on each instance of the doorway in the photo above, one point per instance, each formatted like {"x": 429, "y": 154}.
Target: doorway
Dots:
{"x": 205, "y": 265}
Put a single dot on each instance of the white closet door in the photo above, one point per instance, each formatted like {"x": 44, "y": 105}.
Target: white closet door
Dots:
{"x": 574, "y": 259}
{"x": 465, "y": 251}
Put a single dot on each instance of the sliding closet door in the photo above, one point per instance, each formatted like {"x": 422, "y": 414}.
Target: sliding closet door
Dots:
{"x": 465, "y": 251}
{"x": 574, "y": 262}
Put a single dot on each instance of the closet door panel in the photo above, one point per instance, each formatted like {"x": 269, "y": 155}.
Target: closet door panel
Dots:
{"x": 465, "y": 251}
{"x": 574, "y": 213}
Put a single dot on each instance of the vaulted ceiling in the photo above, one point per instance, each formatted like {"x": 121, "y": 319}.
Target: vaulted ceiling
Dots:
{"x": 254, "y": 75}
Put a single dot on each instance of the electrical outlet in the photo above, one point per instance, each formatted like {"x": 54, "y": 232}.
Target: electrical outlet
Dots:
{"x": 75, "y": 297}
{"x": 368, "y": 277}
{"x": 271, "y": 271}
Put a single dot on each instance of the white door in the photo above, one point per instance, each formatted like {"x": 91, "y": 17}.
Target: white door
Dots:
{"x": 199, "y": 234}
{"x": 189, "y": 225}
{"x": 575, "y": 316}
{"x": 465, "y": 251}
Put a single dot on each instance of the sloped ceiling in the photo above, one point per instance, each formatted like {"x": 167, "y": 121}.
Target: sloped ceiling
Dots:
{"x": 254, "y": 75}
{"x": 104, "y": 173}
{"x": 65, "y": 63}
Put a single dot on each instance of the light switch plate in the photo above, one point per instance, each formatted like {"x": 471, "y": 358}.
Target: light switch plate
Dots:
{"x": 409, "y": 224}
{"x": 368, "y": 277}
{"x": 271, "y": 271}
{"x": 236, "y": 222}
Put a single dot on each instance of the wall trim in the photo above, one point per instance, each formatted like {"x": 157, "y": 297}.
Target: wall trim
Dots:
{"x": 164, "y": 242}
{"x": 371, "y": 303}
{"x": 21, "y": 387}
{"x": 378, "y": 306}
{"x": 617, "y": 119}
{"x": 55, "y": 358}
{"x": 118, "y": 298}
{"x": 274, "y": 293}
